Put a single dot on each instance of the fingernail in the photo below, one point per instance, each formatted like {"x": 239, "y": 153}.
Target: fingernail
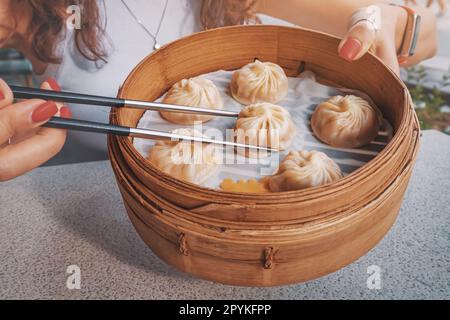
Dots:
{"x": 402, "y": 60}
{"x": 65, "y": 112}
{"x": 2, "y": 96}
{"x": 44, "y": 112}
{"x": 350, "y": 49}
{"x": 53, "y": 84}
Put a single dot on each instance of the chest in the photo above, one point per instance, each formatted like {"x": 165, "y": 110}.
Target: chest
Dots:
{"x": 165, "y": 20}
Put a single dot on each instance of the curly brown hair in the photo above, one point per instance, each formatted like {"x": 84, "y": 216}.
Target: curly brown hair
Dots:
{"x": 222, "y": 13}
{"x": 48, "y": 22}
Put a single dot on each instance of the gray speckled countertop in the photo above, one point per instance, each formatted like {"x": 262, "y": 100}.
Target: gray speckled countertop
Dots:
{"x": 55, "y": 217}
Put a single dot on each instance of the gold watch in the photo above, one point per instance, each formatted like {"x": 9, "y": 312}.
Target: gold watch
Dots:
{"x": 411, "y": 35}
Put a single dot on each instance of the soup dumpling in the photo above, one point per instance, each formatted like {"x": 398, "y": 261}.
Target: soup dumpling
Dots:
{"x": 304, "y": 169}
{"x": 192, "y": 162}
{"x": 194, "y": 92}
{"x": 264, "y": 125}
{"x": 346, "y": 122}
{"x": 259, "y": 82}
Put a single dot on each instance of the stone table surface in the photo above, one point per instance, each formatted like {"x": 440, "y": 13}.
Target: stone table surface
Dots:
{"x": 55, "y": 217}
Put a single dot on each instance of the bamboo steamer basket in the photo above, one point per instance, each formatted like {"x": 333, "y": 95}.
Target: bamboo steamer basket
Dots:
{"x": 274, "y": 239}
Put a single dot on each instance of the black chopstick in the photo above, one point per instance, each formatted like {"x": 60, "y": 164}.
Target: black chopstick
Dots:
{"x": 96, "y": 127}
{"x": 68, "y": 97}
{"x": 87, "y": 126}
{"x": 93, "y": 100}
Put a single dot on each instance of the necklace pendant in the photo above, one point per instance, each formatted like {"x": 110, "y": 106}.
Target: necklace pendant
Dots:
{"x": 157, "y": 46}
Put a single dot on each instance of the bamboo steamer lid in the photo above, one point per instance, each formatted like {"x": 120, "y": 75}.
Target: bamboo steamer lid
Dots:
{"x": 264, "y": 239}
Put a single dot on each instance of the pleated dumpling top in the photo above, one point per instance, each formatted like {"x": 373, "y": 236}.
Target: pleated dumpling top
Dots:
{"x": 194, "y": 92}
{"x": 259, "y": 82}
{"x": 346, "y": 122}
{"x": 304, "y": 169}
{"x": 266, "y": 125}
{"x": 184, "y": 160}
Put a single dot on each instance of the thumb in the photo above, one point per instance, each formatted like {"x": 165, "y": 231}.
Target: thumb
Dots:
{"x": 358, "y": 41}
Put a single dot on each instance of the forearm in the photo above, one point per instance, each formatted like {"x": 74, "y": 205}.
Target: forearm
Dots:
{"x": 334, "y": 17}
{"x": 323, "y": 15}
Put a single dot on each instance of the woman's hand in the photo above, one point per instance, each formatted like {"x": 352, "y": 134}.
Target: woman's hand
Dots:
{"x": 377, "y": 35}
{"x": 24, "y": 145}
{"x": 334, "y": 16}
{"x": 384, "y": 37}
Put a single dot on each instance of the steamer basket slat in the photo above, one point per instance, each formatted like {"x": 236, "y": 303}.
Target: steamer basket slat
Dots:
{"x": 274, "y": 239}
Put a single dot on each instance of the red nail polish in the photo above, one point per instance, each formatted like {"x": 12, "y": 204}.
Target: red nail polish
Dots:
{"x": 53, "y": 84}
{"x": 350, "y": 49}
{"x": 65, "y": 112}
{"x": 2, "y": 96}
{"x": 44, "y": 112}
{"x": 402, "y": 60}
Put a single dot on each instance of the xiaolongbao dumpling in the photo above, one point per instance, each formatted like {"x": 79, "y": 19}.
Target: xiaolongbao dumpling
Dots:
{"x": 303, "y": 169}
{"x": 265, "y": 125}
{"x": 185, "y": 160}
{"x": 194, "y": 92}
{"x": 259, "y": 82}
{"x": 346, "y": 122}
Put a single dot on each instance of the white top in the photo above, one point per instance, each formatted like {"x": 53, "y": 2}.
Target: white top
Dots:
{"x": 128, "y": 45}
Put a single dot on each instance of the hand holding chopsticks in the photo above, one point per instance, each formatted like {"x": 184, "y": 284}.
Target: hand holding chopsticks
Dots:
{"x": 88, "y": 126}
